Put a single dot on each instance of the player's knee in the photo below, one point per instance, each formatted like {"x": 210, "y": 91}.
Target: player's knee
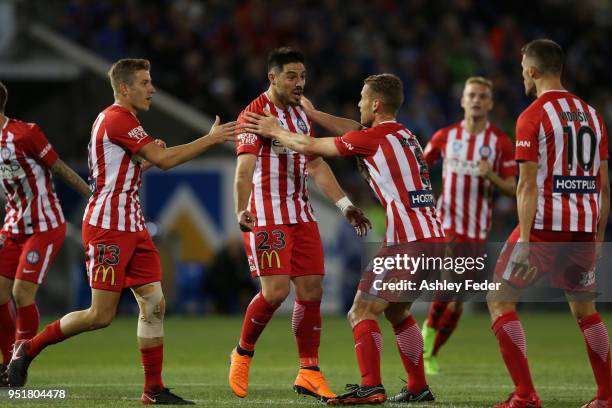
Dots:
{"x": 581, "y": 310}
{"x": 23, "y": 297}
{"x": 152, "y": 309}
{"x": 99, "y": 319}
{"x": 276, "y": 295}
{"x": 357, "y": 313}
{"x": 395, "y": 315}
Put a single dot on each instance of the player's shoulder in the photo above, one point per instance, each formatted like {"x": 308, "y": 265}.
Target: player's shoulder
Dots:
{"x": 447, "y": 129}
{"x": 257, "y": 105}
{"x": 117, "y": 113}
{"x": 20, "y": 128}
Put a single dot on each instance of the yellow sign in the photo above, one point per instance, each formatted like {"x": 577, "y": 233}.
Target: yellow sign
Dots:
{"x": 268, "y": 256}
{"x": 105, "y": 270}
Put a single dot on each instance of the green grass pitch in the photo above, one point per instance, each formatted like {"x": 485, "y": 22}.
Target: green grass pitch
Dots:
{"x": 102, "y": 369}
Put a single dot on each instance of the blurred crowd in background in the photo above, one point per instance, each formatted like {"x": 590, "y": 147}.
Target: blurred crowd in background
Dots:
{"x": 212, "y": 54}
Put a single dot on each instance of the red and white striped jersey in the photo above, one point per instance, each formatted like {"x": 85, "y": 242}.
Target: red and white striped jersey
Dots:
{"x": 568, "y": 140}
{"x": 115, "y": 171}
{"x": 279, "y": 192}
{"x": 466, "y": 203}
{"x": 25, "y": 159}
{"x": 398, "y": 174}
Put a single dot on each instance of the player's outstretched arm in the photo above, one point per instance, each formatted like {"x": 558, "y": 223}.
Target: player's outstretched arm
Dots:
{"x": 70, "y": 177}
{"x": 167, "y": 158}
{"x": 605, "y": 200}
{"x": 324, "y": 178}
{"x": 243, "y": 184}
{"x": 267, "y": 126}
{"x": 335, "y": 124}
{"x": 527, "y": 197}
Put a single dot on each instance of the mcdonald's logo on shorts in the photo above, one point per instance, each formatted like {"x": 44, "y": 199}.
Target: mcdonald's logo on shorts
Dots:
{"x": 106, "y": 271}
{"x": 269, "y": 256}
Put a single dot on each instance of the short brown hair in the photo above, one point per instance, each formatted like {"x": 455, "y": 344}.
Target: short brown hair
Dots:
{"x": 480, "y": 81}
{"x": 122, "y": 71}
{"x": 390, "y": 89}
{"x": 3, "y": 97}
{"x": 547, "y": 55}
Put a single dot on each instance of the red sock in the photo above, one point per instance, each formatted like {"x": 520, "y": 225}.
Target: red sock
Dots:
{"x": 152, "y": 361}
{"x": 7, "y": 331}
{"x": 27, "y": 322}
{"x": 257, "y": 316}
{"x": 598, "y": 346}
{"x": 368, "y": 346}
{"x": 513, "y": 346}
{"x": 410, "y": 345}
{"x": 306, "y": 327}
{"x": 50, "y": 335}
{"x": 436, "y": 310}
{"x": 446, "y": 327}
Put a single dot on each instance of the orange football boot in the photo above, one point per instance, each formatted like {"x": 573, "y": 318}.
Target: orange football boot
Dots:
{"x": 239, "y": 373}
{"x": 313, "y": 383}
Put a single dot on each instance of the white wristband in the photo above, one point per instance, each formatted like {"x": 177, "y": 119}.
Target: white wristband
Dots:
{"x": 343, "y": 203}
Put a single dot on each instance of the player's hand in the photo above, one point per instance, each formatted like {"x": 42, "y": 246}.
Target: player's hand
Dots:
{"x": 486, "y": 168}
{"x": 307, "y": 105}
{"x": 264, "y": 125}
{"x": 246, "y": 220}
{"x": 358, "y": 220}
{"x": 520, "y": 258}
{"x": 160, "y": 143}
{"x": 222, "y": 133}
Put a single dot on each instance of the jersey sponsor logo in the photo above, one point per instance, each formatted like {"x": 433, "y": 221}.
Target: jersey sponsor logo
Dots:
{"x": 421, "y": 198}
{"x": 248, "y": 139}
{"x": 33, "y": 257}
{"x": 485, "y": 151}
{"x": 11, "y": 170}
{"x": 278, "y": 148}
{"x": 574, "y": 184}
{"x": 44, "y": 151}
{"x": 523, "y": 143}
{"x": 347, "y": 144}
{"x": 137, "y": 133}
{"x": 107, "y": 271}
{"x": 457, "y": 146}
{"x": 463, "y": 167}
{"x": 5, "y": 153}
{"x": 302, "y": 125}
{"x": 269, "y": 256}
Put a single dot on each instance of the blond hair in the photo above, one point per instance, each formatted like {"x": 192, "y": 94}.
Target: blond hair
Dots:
{"x": 122, "y": 71}
{"x": 480, "y": 81}
{"x": 389, "y": 88}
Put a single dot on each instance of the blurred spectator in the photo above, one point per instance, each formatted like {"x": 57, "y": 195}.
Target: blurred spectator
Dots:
{"x": 228, "y": 283}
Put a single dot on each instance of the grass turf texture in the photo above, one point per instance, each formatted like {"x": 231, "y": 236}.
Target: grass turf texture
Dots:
{"x": 102, "y": 369}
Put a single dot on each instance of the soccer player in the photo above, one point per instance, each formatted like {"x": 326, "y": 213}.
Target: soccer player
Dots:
{"x": 477, "y": 157}
{"x": 34, "y": 226}
{"x": 399, "y": 176}
{"x": 563, "y": 195}
{"x": 280, "y": 233}
{"x": 119, "y": 251}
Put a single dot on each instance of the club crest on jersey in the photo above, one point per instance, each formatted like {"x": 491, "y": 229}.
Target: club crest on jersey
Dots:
{"x": 33, "y": 257}
{"x": 456, "y": 146}
{"x": 5, "y": 153}
{"x": 485, "y": 152}
{"x": 302, "y": 125}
